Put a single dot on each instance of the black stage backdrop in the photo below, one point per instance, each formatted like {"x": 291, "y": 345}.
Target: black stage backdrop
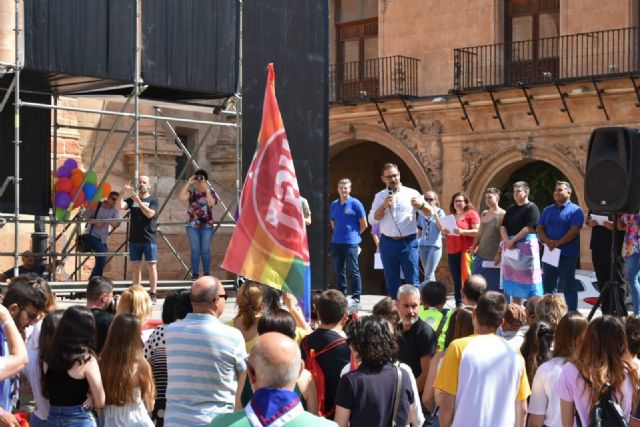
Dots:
{"x": 191, "y": 45}
{"x": 35, "y": 125}
{"x": 90, "y": 38}
{"x": 293, "y": 35}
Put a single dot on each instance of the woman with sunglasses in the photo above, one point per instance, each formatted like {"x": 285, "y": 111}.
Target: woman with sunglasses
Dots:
{"x": 487, "y": 241}
{"x": 460, "y": 239}
{"x": 201, "y": 199}
{"x": 430, "y": 238}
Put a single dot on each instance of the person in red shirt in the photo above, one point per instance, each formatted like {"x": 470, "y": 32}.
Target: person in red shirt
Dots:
{"x": 460, "y": 240}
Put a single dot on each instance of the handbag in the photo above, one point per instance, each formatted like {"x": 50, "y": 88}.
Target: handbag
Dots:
{"x": 82, "y": 241}
{"x": 396, "y": 401}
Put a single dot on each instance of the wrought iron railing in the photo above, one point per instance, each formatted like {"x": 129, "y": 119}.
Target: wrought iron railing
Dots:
{"x": 373, "y": 78}
{"x": 570, "y": 57}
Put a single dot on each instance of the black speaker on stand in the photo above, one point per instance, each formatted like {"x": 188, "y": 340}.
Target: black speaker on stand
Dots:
{"x": 611, "y": 186}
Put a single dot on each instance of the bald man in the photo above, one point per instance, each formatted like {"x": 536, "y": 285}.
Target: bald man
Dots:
{"x": 274, "y": 366}
{"x": 142, "y": 232}
{"x": 205, "y": 360}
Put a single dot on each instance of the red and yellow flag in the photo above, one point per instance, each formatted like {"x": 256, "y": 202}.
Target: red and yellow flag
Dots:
{"x": 269, "y": 244}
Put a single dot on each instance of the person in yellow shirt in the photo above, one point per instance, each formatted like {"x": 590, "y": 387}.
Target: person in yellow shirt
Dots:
{"x": 482, "y": 380}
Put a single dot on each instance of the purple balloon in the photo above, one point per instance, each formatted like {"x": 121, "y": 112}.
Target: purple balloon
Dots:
{"x": 63, "y": 172}
{"x": 70, "y": 164}
{"x": 63, "y": 200}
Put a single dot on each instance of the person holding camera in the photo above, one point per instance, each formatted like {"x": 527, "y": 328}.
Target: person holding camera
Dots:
{"x": 201, "y": 197}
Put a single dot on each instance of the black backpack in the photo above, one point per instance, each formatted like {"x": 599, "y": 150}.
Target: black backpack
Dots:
{"x": 606, "y": 413}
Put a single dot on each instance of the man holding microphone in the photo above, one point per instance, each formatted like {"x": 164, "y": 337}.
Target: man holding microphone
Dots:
{"x": 395, "y": 208}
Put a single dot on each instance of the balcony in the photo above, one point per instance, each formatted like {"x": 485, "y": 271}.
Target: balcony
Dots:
{"x": 393, "y": 76}
{"x": 584, "y": 56}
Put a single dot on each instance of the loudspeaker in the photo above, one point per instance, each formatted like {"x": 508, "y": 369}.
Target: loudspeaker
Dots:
{"x": 613, "y": 170}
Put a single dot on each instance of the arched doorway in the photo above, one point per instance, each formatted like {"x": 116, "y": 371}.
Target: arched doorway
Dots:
{"x": 361, "y": 162}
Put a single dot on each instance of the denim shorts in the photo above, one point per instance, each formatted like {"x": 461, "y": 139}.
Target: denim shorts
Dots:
{"x": 138, "y": 250}
{"x": 76, "y": 416}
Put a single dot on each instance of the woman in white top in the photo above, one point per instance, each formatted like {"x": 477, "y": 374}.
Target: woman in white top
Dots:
{"x": 127, "y": 377}
{"x": 544, "y": 404}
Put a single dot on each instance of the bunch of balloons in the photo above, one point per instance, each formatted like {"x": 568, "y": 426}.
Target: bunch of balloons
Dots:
{"x": 67, "y": 184}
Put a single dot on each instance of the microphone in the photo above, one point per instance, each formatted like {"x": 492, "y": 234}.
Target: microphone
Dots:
{"x": 390, "y": 190}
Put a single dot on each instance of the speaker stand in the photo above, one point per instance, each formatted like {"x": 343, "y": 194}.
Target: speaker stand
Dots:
{"x": 613, "y": 291}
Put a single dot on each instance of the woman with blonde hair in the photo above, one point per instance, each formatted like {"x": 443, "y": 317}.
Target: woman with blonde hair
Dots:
{"x": 126, "y": 376}
{"x": 250, "y": 307}
{"x": 600, "y": 367}
{"x": 136, "y": 301}
{"x": 551, "y": 308}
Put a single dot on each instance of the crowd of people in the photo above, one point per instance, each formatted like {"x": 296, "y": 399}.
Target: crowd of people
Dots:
{"x": 412, "y": 362}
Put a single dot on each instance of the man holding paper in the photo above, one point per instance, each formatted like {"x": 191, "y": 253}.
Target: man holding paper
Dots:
{"x": 559, "y": 228}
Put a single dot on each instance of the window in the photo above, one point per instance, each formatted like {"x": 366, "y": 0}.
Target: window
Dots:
{"x": 532, "y": 30}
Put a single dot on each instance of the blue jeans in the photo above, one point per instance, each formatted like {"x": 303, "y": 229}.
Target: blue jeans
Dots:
{"x": 347, "y": 254}
{"x": 491, "y": 275}
{"x": 455, "y": 269}
{"x": 562, "y": 277}
{"x": 64, "y": 416}
{"x": 200, "y": 241}
{"x": 430, "y": 257}
{"x": 35, "y": 421}
{"x": 397, "y": 254}
{"x": 632, "y": 265}
{"x": 96, "y": 245}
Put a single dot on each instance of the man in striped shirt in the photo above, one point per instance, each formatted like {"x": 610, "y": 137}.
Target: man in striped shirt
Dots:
{"x": 205, "y": 360}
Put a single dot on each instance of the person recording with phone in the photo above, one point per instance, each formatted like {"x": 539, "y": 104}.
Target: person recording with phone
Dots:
{"x": 201, "y": 197}
{"x": 395, "y": 208}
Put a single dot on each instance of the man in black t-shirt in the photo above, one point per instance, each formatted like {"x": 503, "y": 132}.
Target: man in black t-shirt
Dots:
{"x": 100, "y": 302}
{"x": 600, "y": 246}
{"x": 417, "y": 341}
{"x": 30, "y": 267}
{"x": 142, "y": 232}
{"x": 332, "y": 312}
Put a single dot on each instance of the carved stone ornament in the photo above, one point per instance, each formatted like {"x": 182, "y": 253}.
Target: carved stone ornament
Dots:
{"x": 425, "y": 143}
{"x": 574, "y": 153}
{"x": 473, "y": 155}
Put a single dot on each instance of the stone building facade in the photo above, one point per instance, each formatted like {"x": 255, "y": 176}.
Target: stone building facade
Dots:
{"x": 447, "y": 128}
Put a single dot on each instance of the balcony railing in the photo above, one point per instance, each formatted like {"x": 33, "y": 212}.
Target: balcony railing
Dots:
{"x": 564, "y": 58}
{"x": 373, "y": 78}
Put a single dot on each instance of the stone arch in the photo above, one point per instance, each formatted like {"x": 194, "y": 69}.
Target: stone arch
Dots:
{"x": 501, "y": 164}
{"x": 352, "y": 134}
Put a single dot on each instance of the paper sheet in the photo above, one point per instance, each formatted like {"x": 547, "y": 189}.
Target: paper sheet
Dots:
{"x": 489, "y": 264}
{"x": 600, "y": 219}
{"x": 551, "y": 257}
{"x": 511, "y": 253}
{"x": 377, "y": 261}
{"x": 449, "y": 222}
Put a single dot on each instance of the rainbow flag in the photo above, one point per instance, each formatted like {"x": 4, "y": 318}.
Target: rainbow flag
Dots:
{"x": 269, "y": 244}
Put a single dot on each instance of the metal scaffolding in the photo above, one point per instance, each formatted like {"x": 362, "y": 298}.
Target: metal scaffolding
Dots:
{"x": 231, "y": 108}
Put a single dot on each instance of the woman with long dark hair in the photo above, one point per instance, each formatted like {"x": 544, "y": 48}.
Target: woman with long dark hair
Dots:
{"x": 536, "y": 348}
{"x": 460, "y": 239}
{"x": 601, "y": 365}
{"x": 366, "y": 396}
{"x": 544, "y": 404}
{"x": 128, "y": 381}
{"x": 70, "y": 370}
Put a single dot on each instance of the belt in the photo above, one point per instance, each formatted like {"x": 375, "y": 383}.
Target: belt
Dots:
{"x": 399, "y": 237}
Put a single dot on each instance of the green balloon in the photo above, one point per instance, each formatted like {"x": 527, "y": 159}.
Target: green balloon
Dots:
{"x": 98, "y": 196}
{"x": 92, "y": 178}
{"x": 61, "y": 214}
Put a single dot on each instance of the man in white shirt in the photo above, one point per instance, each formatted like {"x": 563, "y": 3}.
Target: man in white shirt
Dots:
{"x": 395, "y": 208}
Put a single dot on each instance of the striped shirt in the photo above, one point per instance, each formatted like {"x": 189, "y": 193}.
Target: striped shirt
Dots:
{"x": 204, "y": 359}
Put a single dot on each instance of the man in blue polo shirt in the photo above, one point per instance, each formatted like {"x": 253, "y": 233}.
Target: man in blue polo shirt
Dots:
{"x": 348, "y": 221}
{"x": 559, "y": 227}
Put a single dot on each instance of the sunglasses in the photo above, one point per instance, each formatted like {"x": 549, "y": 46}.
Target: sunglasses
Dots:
{"x": 223, "y": 296}
{"x": 32, "y": 316}
{"x": 429, "y": 199}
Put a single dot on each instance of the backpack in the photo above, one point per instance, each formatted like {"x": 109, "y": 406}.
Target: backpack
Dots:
{"x": 312, "y": 365}
{"x": 606, "y": 413}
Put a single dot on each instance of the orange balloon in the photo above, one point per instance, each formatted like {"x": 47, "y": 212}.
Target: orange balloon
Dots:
{"x": 76, "y": 180}
{"x": 106, "y": 189}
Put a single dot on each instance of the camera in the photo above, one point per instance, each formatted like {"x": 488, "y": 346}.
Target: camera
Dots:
{"x": 200, "y": 178}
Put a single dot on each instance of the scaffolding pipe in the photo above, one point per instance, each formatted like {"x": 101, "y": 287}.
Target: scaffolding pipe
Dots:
{"x": 16, "y": 142}
{"x": 136, "y": 101}
{"x": 132, "y": 115}
{"x": 238, "y": 96}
